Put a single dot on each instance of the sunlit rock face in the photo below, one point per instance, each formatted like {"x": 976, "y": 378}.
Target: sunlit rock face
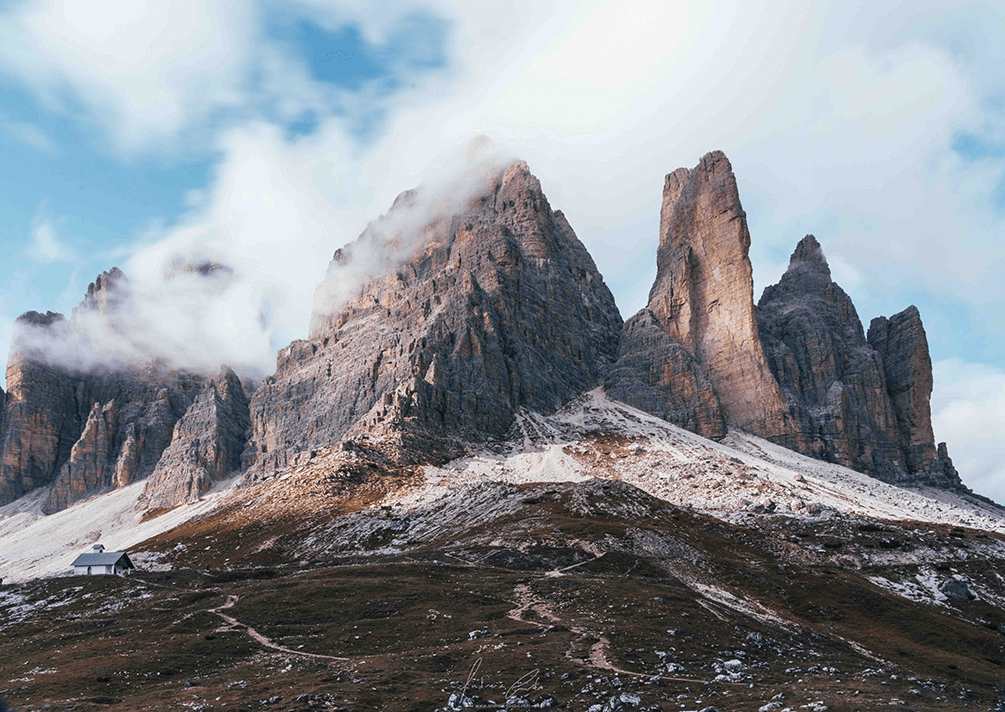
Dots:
{"x": 704, "y": 293}
{"x": 706, "y": 370}
{"x": 476, "y": 312}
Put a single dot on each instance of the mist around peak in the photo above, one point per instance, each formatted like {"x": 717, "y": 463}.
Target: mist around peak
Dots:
{"x": 451, "y": 182}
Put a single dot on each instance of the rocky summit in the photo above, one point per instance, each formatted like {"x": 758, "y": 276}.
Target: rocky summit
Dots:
{"x": 796, "y": 369}
{"x": 83, "y": 426}
{"x": 704, "y": 292}
{"x": 496, "y": 307}
{"x": 860, "y": 403}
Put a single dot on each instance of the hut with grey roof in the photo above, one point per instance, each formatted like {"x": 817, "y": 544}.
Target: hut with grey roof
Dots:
{"x": 100, "y": 561}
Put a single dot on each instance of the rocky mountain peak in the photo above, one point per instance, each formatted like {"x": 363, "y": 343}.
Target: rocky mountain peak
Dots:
{"x": 807, "y": 259}
{"x": 106, "y": 294}
{"x": 443, "y": 319}
{"x": 703, "y": 295}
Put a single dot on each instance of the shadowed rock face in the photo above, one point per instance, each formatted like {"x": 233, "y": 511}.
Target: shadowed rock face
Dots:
{"x": 704, "y": 294}
{"x": 656, "y": 374}
{"x": 83, "y": 431}
{"x": 860, "y": 403}
{"x": 206, "y": 446}
{"x": 832, "y": 378}
{"x": 903, "y": 346}
{"x": 499, "y": 306}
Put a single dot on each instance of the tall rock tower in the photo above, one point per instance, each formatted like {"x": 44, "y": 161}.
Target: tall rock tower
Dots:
{"x": 703, "y": 300}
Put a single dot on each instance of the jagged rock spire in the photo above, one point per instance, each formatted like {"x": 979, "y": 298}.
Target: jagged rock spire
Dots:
{"x": 703, "y": 295}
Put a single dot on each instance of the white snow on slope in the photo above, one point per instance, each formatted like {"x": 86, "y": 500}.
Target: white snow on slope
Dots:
{"x": 742, "y": 474}
{"x": 33, "y": 545}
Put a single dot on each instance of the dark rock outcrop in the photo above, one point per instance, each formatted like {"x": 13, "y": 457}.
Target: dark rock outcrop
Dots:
{"x": 206, "y": 446}
{"x": 862, "y": 403}
{"x": 77, "y": 423}
{"x": 656, "y": 374}
{"x": 903, "y": 346}
{"x": 832, "y": 378}
{"x": 484, "y": 309}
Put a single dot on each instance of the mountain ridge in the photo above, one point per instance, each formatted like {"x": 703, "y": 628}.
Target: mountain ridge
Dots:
{"x": 452, "y": 316}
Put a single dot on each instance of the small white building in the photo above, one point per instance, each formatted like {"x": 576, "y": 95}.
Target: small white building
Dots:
{"x": 102, "y": 562}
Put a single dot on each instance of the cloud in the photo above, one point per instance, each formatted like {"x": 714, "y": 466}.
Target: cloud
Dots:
{"x": 6, "y": 335}
{"x": 144, "y": 68}
{"x": 968, "y": 412}
{"x": 45, "y": 245}
{"x": 28, "y": 134}
{"x": 159, "y": 76}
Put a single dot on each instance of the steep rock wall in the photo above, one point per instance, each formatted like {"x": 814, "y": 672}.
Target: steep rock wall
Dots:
{"x": 83, "y": 427}
{"x": 206, "y": 446}
{"x": 497, "y": 306}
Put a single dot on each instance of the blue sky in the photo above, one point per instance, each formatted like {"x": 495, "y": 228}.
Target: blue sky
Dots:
{"x": 267, "y": 134}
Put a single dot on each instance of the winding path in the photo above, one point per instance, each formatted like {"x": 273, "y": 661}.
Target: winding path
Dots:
{"x": 234, "y": 624}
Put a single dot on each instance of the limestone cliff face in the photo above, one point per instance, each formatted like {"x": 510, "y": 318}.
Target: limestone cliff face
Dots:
{"x": 41, "y": 421}
{"x": 903, "y": 346}
{"x": 694, "y": 355}
{"x": 832, "y": 378}
{"x": 497, "y": 306}
{"x": 860, "y": 403}
{"x": 206, "y": 446}
{"x": 83, "y": 430}
{"x": 704, "y": 294}
{"x": 656, "y": 374}
{"x": 91, "y": 459}
{"x": 797, "y": 369}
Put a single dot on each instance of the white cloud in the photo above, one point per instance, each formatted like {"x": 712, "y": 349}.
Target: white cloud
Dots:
{"x": 155, "y": 74}
{"x": 968, "y": 412}
{"x": 28, "y": 134}
{"x": 143, "y": 67}
{"x": 45, "y": 245}
{"x": 6, "y": 334}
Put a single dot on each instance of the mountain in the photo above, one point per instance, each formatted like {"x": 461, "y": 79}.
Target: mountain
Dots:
{"x": 79, "y": 422}
{"x": 495, "y": 307}
{"x": 864, "y": 402}
{"x": 451, "y": 315}
{"x": 796, "y": 368}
